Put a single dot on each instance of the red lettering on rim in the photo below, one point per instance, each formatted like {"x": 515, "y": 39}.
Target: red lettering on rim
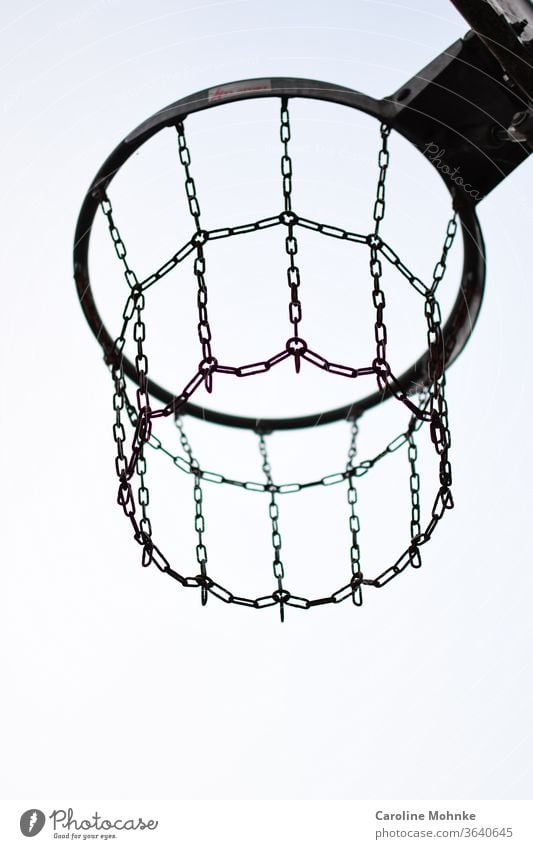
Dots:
{"x": 222, "y": 91}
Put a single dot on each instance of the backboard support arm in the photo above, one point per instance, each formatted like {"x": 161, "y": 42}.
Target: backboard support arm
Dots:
{"x": 459, "y": 111}
{"x": 506, "y": 29}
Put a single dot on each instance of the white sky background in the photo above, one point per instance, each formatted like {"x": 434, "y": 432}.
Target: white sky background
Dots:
{"x": 117, "y": 684}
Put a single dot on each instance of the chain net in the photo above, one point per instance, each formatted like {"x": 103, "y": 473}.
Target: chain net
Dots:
{"x": 429, "y": 409}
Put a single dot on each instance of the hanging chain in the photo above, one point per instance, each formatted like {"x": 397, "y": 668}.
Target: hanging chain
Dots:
{"x": 190, "y": 186}
{"x": 130, "y": 463}
{"x": 209, "y": 363}
{"x": 126, "y": 467}
{"x": 273, "y": 512}
{"x": 125, "y": 493}
{"x": 199, "y": 520}
{"x": 440, "y": 268}
{"x": 291, "y": 244}
{"x": 286, "y": 161}
{"x": 383, "y": 162}
{"x": 414, "y": 488}
{"x": 143, "y": 500}
{"x": 376, "y": 270}
{"x": 116, "y": 238}
{"x": 439, "y": 424}
{"x": 141, "y": 361}
{"x": 355, "y": 554}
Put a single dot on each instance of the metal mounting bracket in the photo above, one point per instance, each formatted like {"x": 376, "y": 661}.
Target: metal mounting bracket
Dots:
{"x": 463, "y": 114}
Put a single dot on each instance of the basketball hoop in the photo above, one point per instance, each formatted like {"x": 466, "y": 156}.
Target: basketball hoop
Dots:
{"x": 420, "y": 390}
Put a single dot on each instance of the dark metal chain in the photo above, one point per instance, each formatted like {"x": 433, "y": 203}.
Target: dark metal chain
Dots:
{"x": 439, "y": 425}
{"x": 125, "y": 494}
{"x": 392, "y": 257}
{"x": 328, "y": 230}
{"x": 286, "y": 161}
{"x": 383, "y": 162}
{"x": 204, "y": 330}
{"x": 125, "y": 469}
{"x": 432, "y": 407}
{"x": 414, "y": 487}
{"x": 273, "y": 512}
{"x": 116, "y": 238}
{"x": 143, "y": 500}
{"x": 199, "y": 520}
{"x": 141, "y": 360}
{"x": 378, "y": 299}
{"x": 289, "y": 219}
{"x": 190, "y": 186}
{"x": 356, "y": 471}
{"x": 170, "y": 264}
{"x": 409, "y": 557}
{"x": 126, "y": 466}
{"x": 440, "y": 268}
{"x": 376, "y": 270}
{"x": 355, "y": 553}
